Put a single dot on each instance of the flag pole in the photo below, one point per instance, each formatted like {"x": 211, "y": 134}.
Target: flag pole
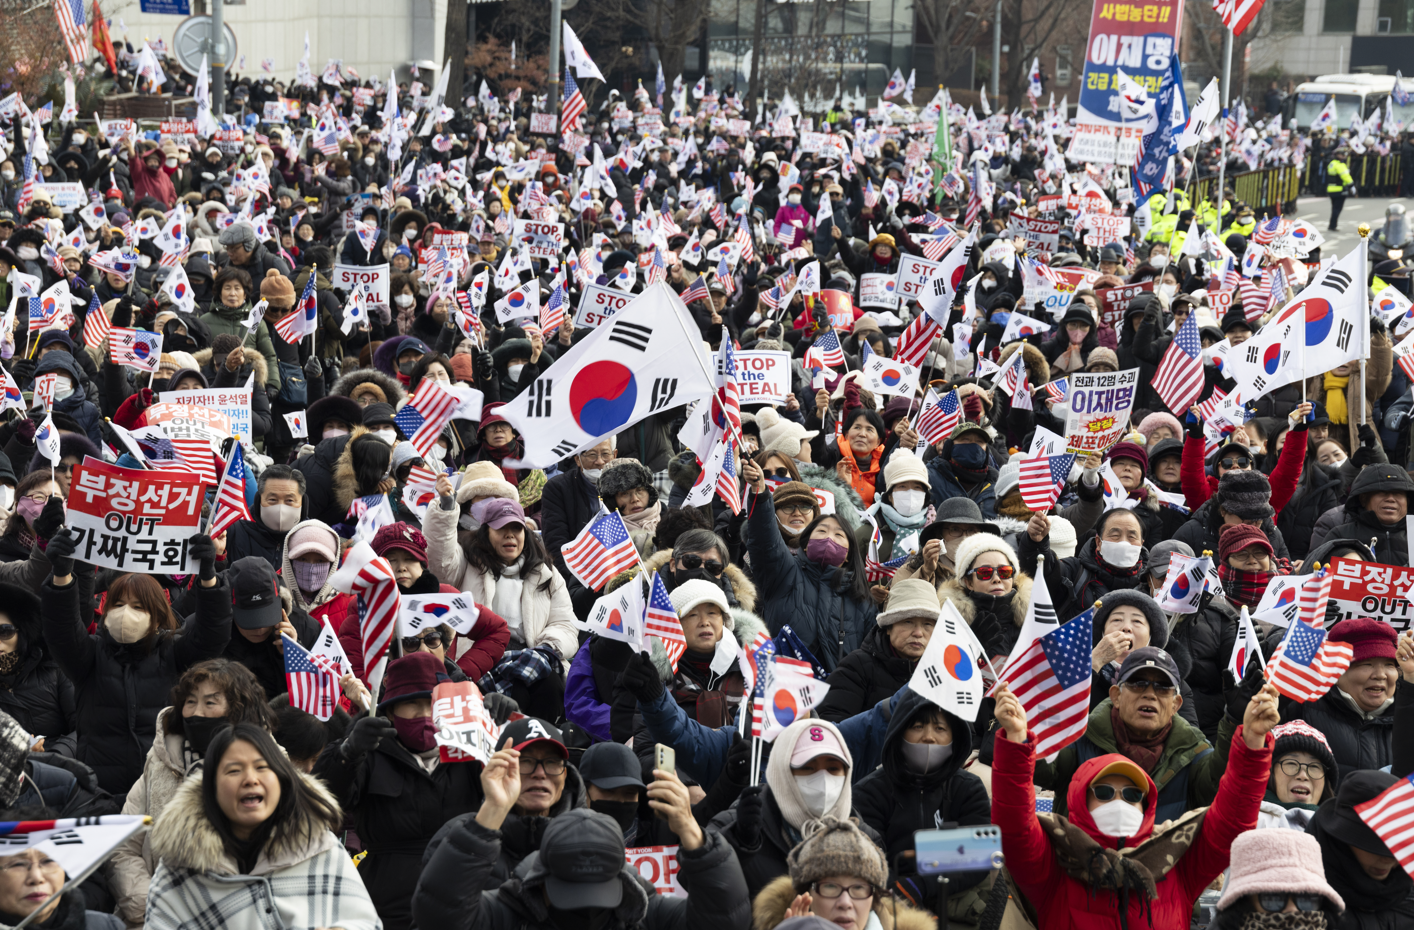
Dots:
{"x": 1364, "y": 230}
{"x": 1222, "y": 157}
{"x": 77, "y": 880}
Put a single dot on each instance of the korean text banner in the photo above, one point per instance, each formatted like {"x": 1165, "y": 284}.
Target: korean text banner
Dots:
{"x": 1100, "y": 403}
{"x": 134, "y": 520}
{"x": 1369, "y": 589}
{"x": 1137, "y": 37}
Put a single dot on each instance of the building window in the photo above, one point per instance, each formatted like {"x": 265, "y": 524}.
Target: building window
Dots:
{"x": 1063, "y": 75}
{"x": 1287, "y": 16}
{"x": 1400, "y": 15}
{"x": 1340, "y": 15}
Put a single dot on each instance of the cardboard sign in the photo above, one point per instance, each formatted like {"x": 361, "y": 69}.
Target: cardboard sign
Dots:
{"x": 1049, "y": 203}
{"x": 189, "y": 421}
{"x": 1100, "y": 404}
{"x": 132, "y": 519}
{"x": 68, "y": 196}
{"x": 273, "y": 112}
{"x": 762, "y": 377}
{"x": 465, "y": 731}
{"x": 1102, "y": 230}
{"x": 1369, "y": 589}
{"x": 840, "y": 309}
{"x": 375, "y": 279}
{"x": 543, "y": 239}
{"x": 878, "y": 290}
{"x": 597, "y": 303}
{"x": 229, "y": 141}
{"x": 1114, "y": 302}
{"x": 437, "y": 238}
{"x": 180, "y": 131}
{"x": 233, "y": 402}
{"x": 43, "y": 389}
{"x": 542, "y": 123}
{"x": 1041, "y": 235}
{"x": 659, "y": 865}
{"x": 914, "y": 273}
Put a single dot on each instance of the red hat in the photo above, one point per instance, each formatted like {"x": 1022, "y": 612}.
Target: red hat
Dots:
{"x": 411, "y": 677}
{"x": 1371, "y": 639}
{"x": 795, "y": 187}
{"x": 1132, "y": 451}
{"x": 491, "y": 413}
{"x": 401, "y": 536}
{"x": 1238, "y": 536}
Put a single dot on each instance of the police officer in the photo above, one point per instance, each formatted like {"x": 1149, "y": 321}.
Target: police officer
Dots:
{"x": 1338, "y": 182}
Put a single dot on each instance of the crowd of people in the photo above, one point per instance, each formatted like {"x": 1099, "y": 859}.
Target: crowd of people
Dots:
{"x": 165, "y": 695}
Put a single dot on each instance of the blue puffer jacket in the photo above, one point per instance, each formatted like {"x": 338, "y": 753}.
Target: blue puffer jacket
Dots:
{"x": 814, "y": 599}
{"x": 943, "y": 484}
{"x": 77, "y": 404}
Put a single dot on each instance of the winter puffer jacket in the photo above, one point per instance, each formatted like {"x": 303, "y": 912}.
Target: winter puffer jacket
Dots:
{"x": 1079, "y": 581}
{"x": 896, "y": 801}
{"x": 253, "y": 537}
{"x": 397, "y": 806}
{"x": 77, "y": 405}
{"x": 813, "y": 598}
{"x": 318, "y": 470}
{"x": 1202, "y": 530}
{"x": 995, "y": 621}
{"x": 1063, "y": 902}
{"x": 1357, "y": 740}
{"x": 943, "y": 483}
{"x": 866, "y": 676}
{"x": 1315, "y": 494}
{"x": 231, "y": 321}
{"x": 35, "y": 692}
{"x": 120, "y": 689}
{"x": 1208, "y": 636}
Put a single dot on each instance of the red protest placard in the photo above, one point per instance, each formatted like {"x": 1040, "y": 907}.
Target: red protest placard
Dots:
{"x": 134, "y": 520}
{"x": 1114, "y": 302}
{"x": 465, "y": 731}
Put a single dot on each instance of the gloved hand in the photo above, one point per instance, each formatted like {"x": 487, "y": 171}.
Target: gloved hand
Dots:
{"x": 201, "y": 548}
{"x": 333, "y": 368}
{"x": 123, "y": 312}
{"x": 61, "y": 552}
{"x": 50, "y": 518}
{"x": 24, "y": 370}
{"x": 1194, "y": 426}
{"x": 312, "y": 368}
{"x": 1368, "y": 436}
{"x": 24, "y": 431}
{"x": 738, "y": 766}
{"x": 1396, "y": 421}
{"x": 500, "y": 707}
{"x": 1240, "y": 694}
{"x": 485, "y": 365}
{"x": 640, "y": 677}
{"x": 749, "y": 808}
{"x": 365, "y": 736}
{"x": 752, "y": 271}
{"x": 146, "y": 397}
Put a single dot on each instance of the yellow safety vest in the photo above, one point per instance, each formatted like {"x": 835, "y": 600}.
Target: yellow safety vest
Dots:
{"x": 1337, "y": 177}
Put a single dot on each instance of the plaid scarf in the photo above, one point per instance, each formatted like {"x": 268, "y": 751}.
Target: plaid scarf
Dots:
{"x": 1244, "y": 589}
{"x": 519, "y": 666}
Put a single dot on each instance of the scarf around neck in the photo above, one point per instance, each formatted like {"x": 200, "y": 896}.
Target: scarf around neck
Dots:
{"x": 1242, "y": 588}
{"x": 1335, "y": 397}
{"x": 646, "y": 519}
{"x": 1143, "y": 751}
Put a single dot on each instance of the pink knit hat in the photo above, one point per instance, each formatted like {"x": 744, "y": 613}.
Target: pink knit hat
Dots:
{"x": 1276, "y": 860}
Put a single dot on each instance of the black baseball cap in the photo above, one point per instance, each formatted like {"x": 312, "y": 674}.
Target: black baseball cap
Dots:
{"x": 582, "y": 858}
{"x": 611, "y": 765}
{"x": 1148, "y": 657}
{"x": 518, "y": 734}
{"x": 255, "y": 595}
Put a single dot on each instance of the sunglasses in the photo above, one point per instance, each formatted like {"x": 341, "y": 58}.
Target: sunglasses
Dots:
{"x": 1236, "y": 461}
{"x": 8, "y": 631}
{"x": 1273, "y": 901}
{"x": 1107, "y": 793}
{"x": 776, "y": 473}
{"x": 693, "y": 561}
{"x": 1140, "y": 685}
{"x": 431, "y": 639}
{"x": 985, "y": 572}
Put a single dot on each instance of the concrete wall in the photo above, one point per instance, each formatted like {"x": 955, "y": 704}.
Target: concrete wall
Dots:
{"x": 371, "y": 35}
{"x": 1312, "y": 52}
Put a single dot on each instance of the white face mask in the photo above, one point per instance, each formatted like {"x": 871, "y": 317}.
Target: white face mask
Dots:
{"x": 389, "y": 436}
{"x": 7, "y": 497}
{"x": 1167, "y": 290}
{"x": 28, "y": 252}
{"x": 593, "y": 474}
{"x": 63, "y": 387}
{"x": 1119, "y": 554}
{"x": 794, "y": 199}
{"x": 403, "y": 300}
{"x": 280, "y": 517}
{"x": 1160, "y": 262}
{"x": 1118, "y": 818}
{"x": 989, "y": 285}
{"x": 925, "y": 757}
{"x": 909, "y": 503}
{"x": 79, "y": 138}
{"x": 819, "y": 790}
{"x": 334, "y": 432}
{"x": 513, "y": 371}
{"x": 7, "y": 174}
{"x": 127, "y": 624}
{"x": 368, "y": 160}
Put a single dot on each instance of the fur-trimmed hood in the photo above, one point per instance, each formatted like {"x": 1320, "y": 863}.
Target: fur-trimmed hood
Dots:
{"x": 345, "y": 482}
{"x": 352, "y": 379}
{"x": 184, "y": 838}
{"x": 848, "y": 504}
{"x": 257, "y": 361}
{"x": 1038, "y": 370}
{"x": 742, "y": 588}
{"x": 953, "y": 590}
{"x": 770, "y": 907}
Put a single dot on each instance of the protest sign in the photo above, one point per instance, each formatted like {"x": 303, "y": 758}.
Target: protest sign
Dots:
{"x": 543, "y": 239}
{"x": 761, "y": 377}
{"x": 229, "y": 141}
{"x": 134, "y": 520}
{"x": 914, "y": 273}
{"x": 1102, "y": 230}
{"x": 233, "y": 402}
{"x": 180, "y": 131}
{"x": 1114, "y": 302}
{"x": 465, "y": 731}
{"x": 1042, "y": 236}
{"x": 1049, "y": 203}
{"x": 68, "y": 196}
{"x": 597, "y": 303}
{"x": 375, "y": 278}
{"x": 659, "y": 865}
{"x": 840, "y": 308}
{"x": 542, "y": 124}
{"x": 44, "y": 387}
{"x": 1100, "y": 403}
{"x": 273, "y": 112}
{"x": 811, "y": 142}
{"x": 878, "y": 290}
{"x": 1068, "y": 281}
{"x": 1369, "y": 589}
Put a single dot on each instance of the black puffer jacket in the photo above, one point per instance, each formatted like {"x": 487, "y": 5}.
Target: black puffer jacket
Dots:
{"x": 868, "y": 675}
{"x": 34, "y": 691}
{"x": 567, "y": 504}
{"x": 264, "y": 659}
{"x": 1202, "y": 529}
{"x": 1316, "y": 493}
{"x": 1079, "y": 581}
{"x": 253, "y": 537}
{"x": 1208, "y": 636}
{"x": 1357, "y": 741}
{"x": 896, "y": 801}
{"x": 397, "y": 806}
{"x": 320, "y": 501}
{"x": 1391, "y": 543}
{"x": 121, "y": 688}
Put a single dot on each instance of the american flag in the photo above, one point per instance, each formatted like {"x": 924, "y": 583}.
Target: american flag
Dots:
{"x": 433, "y": 406}
{"x": 933, "y": 221}
{"x": 718, "y": 213}
{"x": 1058, "y": 390}
{"x": 1254, "y": 298}
{"x": 666, "y": 223}
{"x": 1208, "y": 408}
{"x": 71, "y": 24}
{"x": 96, "y": 324}
{"x": 1404, "y": 355}
{"x": 729, "y": 392}
{"x": 304, "y": 319}
{"x": 660, "y": 619}
{"x": 1042, "y": 478}
{"x": 728, "y": 488}
{"x": 871, "y": 196}
{"x": 874, "y": 570}
{"x": 1236, "y": 14}
{"x": 697, "y": 290}
{"x": 913, "y": 344}
{"x": 743, "y": 239}
{"x": 939, "y": 417}
{"x": 771, "y": 299}
{"x": 724, "y": 275}
{"x": 1313, "y": 595}
{"x": 827, "y": 346}
{"x": 313, "y": 686}
{"x": 762, "y": 657}
{"x": 600, "y": 551}
{"x": 1179, "y": 379}
{"x": 657, "y": 269}
{"x": 552, "y": 317}
{"x": 1391, "y": 815}
{"x": 1306, "y": 663}
{"x": 1049, "y": 672}
{"x": 370, "y": 577}
{"x": 1267, "y": 231}
{"x": 1276, "y": 290}
{"x": 230, "y": 506}
{"x": 27, "y": 192}
{"x": 572, "y": 103}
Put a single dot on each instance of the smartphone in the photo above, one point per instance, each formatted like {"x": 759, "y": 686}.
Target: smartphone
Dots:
{"x": 665, "y": 758}
{"x": 965, "y": 849}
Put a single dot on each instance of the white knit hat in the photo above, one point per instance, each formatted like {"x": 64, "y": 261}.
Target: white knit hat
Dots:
{"x": 910, "y": 598}
{"x": 904, "y": 466}
{"x": 970, "y": 548}
{"x": 696, "y": 591}
{"x": 1009, "y": 476}
{"x": 1063, "y": 538}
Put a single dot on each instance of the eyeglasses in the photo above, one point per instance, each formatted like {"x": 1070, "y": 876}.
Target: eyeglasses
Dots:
{"x": 955, "y": 531}
{"x": 1273, "y": 901}
{"x": 38, "y": 498}
{"x": 794, "y": 509}
{"x": 776, "y": 473}
{"x": 694, "y": 561}
{"x": 8, "y": 631}
{"x": 1107, "y": 793}
{"x": 431, "y": 639}
{"x": 552, "y": 767}
{"x": 1140, "y": 685}
{"x": 985, "y": 572}
{"x": 833, "y": 890}
{"x": 1235, "y": 461}
{"x": 1289, "y": 767}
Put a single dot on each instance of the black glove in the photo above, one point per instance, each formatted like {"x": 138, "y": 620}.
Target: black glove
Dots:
{"x": 24, "y": 370}
{"x": 312, "y": 368}
{"x": 1368, "y": 436}
{"x": 123, "y": 312}
{"x": 50, "y": 518}
{"x": 1193, "y": 425}
{"x": 1363, "y": 456}
{"x": 201, "y": 548}
{"x": 500, "y": 707}
{"x": 1241, "y": 694}
{"x": 61, "y": 552}
{"x": 332, "y": 366}
{"x": 738, "y": 767}
{"x": 640, "y": 678}
{"x": 485, "y": 365}
{"x": 749, "y": 808}
{"x": 365, "y": 736}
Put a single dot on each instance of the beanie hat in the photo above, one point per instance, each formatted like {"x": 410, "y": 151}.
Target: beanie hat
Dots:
{"x": 1102, "y": 356}
{"x": 970, "y": 548}
{"x": 314, "y": 537}
{"x": 277, "y": 289}
{"x": 910, "y": 598}
{"x": 1009, "y": 477}
{"x": 367, "y": 387}
{"x": 185, "y": 360}
{"x": 222, "y": 344}
{"x": 463, "y": 368}
{"x": 1063, "y": 537}
{"x": 697, "y": 591}
{"x": 484, "y": 479}
{"x": 1300, "y": 736}
{"x": 835, "y": 847}
{"x": 1246, "y": 494}
{"x": 1238, "y": 536}
{"x": 1128, "y": 597}
{"x": 1370, "y": 639}
{"x": 241, "y": 233}
{"x": 1155, "y": 420}
{"x": 1286, "y": 861}
{"x": 780, "y": 435}
{"x": 622, "y": 475}
{"x": 1132, "y": 451}
{"x": 904, "y": 466}
{"x": 411, "y": 677}
{"x": 401, "y": 536}
{"x": 794, "y": 492}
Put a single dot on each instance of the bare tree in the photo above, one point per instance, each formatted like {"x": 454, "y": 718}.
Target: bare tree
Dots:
{"x": 1031, "y": 25}
{"x": 492, "y": 61}
{"x": 31, "y": 49}
{"x": 953, "y": 26}
{"x": 454, "y": 47}
{"x": 1203, "y": 56}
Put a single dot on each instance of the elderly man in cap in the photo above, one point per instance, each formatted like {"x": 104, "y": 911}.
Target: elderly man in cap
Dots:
{"x": 1375, "y": 510}
{"x": 245, "y": 251}
{"x": 954, "y": 520}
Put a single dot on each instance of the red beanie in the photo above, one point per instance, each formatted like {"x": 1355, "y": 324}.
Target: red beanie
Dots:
{"x": 1238, "y": 536}
{"x": 1371, "y": 639}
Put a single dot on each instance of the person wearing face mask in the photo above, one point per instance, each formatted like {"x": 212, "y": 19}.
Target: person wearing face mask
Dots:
{"x": 1114, "y": 804}
{"x": 69, "y": 395}
{"x": 123, "y": 674}
{"x": 614, "y": 785}
{"x": 263, "y": 616}
{"x": 1070, "y": 350}
{"x": 280, "y": 504}
{"x": 1113, "y": 560}
{"x": 571, "y": 498}
{"x": 922, "y": 785}
{"x": 1243, "y": 496}
{"x": 33, "y": 691}
{"x": 901, "y": 510}
{"x": 404, "y": 291}
{"x": 964, "y": 469}
{"x": 793, "y": 223}
{"x": 821, "y": 590}
{"x": 519, "y": 360}
{"x": 396, "y": 356}
{"x": 309, "y": 560}
{"x": 1318, "y": 492}
{"x": 210, "y": 695}
{"x": 1278, "y": 882}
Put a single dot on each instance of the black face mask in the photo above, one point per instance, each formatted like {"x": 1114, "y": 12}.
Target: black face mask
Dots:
{"x": 406, "y": 367}
{"x": 683, "y": 575}
{"x": 200, "y": 730}
{"x": 623, "y": 812}
{"x": 159, "y": 385}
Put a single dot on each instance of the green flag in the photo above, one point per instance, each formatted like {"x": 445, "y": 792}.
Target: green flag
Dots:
{"x": 942, "y": 139}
